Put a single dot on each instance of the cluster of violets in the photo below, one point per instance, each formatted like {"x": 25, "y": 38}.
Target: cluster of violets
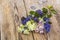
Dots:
{"x": 37, "y": 21}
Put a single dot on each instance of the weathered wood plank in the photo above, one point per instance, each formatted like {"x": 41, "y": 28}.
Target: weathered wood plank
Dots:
{"x": 21, "y": 13}
{"x": 55, "y": 28}
{"x": 1, "y": 20}
{"x": 34, "y": 3}
{"x": 31, "y": 5}
{"x": 8, "y": 28}
{"x": 13, "y": 10}
{"x": 38, "y": 36}
{"x": 57, "y": 7}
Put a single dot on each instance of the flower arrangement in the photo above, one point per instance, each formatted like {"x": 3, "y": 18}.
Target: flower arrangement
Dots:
{"x": 37, "y": 21}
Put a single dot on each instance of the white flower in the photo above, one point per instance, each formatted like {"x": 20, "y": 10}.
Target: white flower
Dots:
{"x": 26, "y": 32}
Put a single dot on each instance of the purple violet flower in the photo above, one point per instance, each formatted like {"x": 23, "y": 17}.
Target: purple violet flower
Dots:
{"x": 24, "y": 20}
{"x": 35, "y": 19}
{"x": 46, "y": 19}
{"x": 39, "y": 12}
{"x": 47, "y": 27}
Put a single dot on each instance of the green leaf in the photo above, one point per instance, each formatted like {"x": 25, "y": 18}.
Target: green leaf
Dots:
{"x": 53, "y": 11}
{"x": 44, "y": 15}
{"x": 49, "y": 15}
{"x": 32, "y": 12}
{"x": 36, "y": 14}
{"x": 44, "y": 10}
{"x": 50, "y": 7}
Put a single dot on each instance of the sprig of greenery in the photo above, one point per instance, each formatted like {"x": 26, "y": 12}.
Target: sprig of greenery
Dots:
{"x": 52, "y": 10}
{"x": 34, "y": 13}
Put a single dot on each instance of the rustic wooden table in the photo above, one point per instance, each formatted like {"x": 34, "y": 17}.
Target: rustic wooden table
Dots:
{"x": 13, "y": 10}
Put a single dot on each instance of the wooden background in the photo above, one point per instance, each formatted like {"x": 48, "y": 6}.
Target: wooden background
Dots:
{"x": 11, "y": 12}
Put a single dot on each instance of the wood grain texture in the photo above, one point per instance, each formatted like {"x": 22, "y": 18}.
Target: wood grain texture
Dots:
{"x": 22, "y": 12}
{"x": 55, "y": 28}
{"x": 11, "y": 12}
{"x": 8, "y": 28}
{"x": 1, "y": 20}
{"x": 35, "y": 3}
